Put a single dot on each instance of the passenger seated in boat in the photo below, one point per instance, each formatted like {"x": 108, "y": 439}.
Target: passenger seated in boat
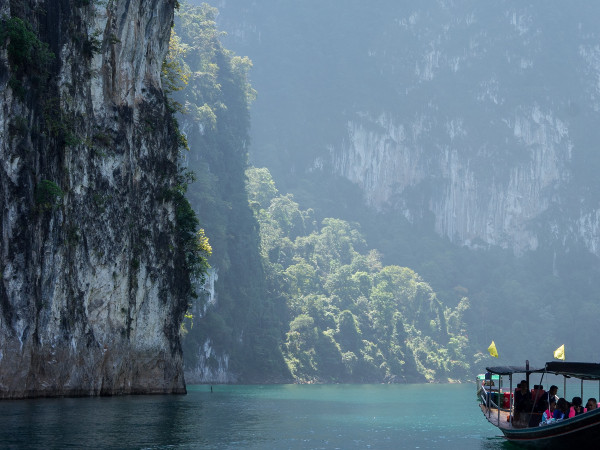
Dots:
{"x": 562, "y": 409}
{"x": 549, "y": 412}
{"x": 522, "y": 399}
{"x": 591, "y": 404}
{"x": 576, "y": 407}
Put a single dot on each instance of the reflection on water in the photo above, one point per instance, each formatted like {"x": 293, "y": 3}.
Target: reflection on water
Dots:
{"x": 290, "y": 416}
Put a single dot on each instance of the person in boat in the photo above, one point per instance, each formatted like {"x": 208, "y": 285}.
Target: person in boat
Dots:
{"x": 551, "y": 394}
{"x": 540, "y": 404}
{"x": 522, "y": 399}
{"x": 576, "y": 407}
{"x": 591, "y": 404}
{"x": 548, "y": 413}
{"x": 562, "y": 409}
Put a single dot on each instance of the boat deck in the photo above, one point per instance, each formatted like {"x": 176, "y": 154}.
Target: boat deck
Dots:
{"x": 492, "y": 417}
{"x": 501, "y": 421}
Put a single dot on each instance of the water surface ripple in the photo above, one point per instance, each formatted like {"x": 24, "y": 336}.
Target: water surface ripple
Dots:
{"x": 258, "y": 417}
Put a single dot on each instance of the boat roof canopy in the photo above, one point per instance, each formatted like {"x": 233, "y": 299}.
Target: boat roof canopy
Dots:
{"x": 584, "y": 371}
{"x": 509, "y": 370}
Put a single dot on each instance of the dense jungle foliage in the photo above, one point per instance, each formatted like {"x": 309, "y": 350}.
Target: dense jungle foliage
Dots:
{"x": 512, "y": 298}
{"x": 351, "y": 319}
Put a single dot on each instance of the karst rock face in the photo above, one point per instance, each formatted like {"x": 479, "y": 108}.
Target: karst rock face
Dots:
{"x": 94, "y": 284}
{"x": 476, "y": 121}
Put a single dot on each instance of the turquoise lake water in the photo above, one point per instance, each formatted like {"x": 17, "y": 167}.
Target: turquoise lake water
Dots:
{"x": 258, "y": 417}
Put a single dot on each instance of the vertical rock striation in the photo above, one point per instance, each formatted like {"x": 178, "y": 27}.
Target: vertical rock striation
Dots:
{"x": 94, "y": 284}
{"x": 473, "y": 195}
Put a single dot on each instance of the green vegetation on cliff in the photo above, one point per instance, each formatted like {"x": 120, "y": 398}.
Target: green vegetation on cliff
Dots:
{"x": 351, "y": 319}
{"x": 235, "y": 336}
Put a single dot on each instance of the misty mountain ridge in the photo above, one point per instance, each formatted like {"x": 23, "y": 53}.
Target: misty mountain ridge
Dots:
{"x": 487, "y": 109}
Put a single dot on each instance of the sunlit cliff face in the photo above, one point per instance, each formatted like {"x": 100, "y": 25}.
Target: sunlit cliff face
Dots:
{"x": 93, "y": 289}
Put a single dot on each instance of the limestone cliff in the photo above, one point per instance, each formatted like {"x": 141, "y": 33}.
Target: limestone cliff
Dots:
{"x": 482, "y": 118}
{"x": 475, "y": 198}
{"x": 94, "y": 284}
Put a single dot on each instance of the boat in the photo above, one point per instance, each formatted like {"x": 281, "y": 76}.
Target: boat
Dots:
{"x": 497, "y": 404}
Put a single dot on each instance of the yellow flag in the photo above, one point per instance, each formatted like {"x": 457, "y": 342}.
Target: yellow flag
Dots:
{"x": 492, "y": 350}
{"x": 559, "y": 353}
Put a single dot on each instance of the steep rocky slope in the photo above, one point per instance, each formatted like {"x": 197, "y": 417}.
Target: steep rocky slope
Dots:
{"x": 94, "y": 284}
{"x": 232, "y": 336}
{"x": 480, "y": 116}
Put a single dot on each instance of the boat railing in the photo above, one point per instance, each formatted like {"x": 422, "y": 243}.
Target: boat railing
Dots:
{"x": 486, "y": 397}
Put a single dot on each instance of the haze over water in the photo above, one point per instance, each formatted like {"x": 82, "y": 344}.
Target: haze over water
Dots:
{"x": 277, "y": 416}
